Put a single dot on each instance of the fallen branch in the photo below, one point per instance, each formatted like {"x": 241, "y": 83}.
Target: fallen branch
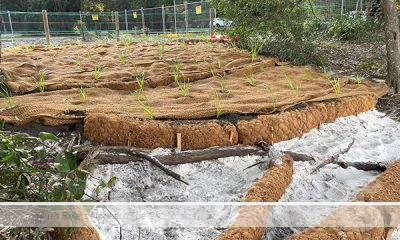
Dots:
{"x": 299, "y": 157}
{"x": 365, "y": 166}
{"x": 94, "y": 152}
{"x": 117, "y": 155}
{"x": 333, "y": 159}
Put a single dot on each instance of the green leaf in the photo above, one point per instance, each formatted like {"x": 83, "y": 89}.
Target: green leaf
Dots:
{"x": 66, "y": 162}
{"x": 48, "y": 136}
{"x": 2, "y": 124}
{"x": 71, "y": 159}
{"x": 111, "y": 182}
{"x": 102, "y": 184}
{"x": 42, "y": 154}
{"x": 77, "y": 188}
{"x": 97, "y": 190}
{"x": 9, "y": 158}
{"x": 63, "y": 165}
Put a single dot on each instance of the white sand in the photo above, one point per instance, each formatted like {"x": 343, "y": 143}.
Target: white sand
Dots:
{"x": 376, "y": 139}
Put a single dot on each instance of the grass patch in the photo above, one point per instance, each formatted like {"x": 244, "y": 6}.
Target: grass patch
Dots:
{"x": 336, "y": 85}
{"x": 219, "y": 105}
{"x": 97, "y": 72}
{"x": 292, "y": 84}
{"x": 251, "y": 80}
{"x": 39, "y": 80}
{"x": 83, "y": 94}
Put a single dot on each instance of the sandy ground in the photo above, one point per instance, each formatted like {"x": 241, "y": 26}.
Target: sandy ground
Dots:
{"x": 376, "y": 139}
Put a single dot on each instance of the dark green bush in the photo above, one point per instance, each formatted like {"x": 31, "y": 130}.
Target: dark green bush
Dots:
{"x": 280, "y": 24}
{"x": 356, "y": 28}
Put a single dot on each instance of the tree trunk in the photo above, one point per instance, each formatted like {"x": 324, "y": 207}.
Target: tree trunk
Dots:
{"x": 392, "y": 43}
{"x": 1, "y": 24}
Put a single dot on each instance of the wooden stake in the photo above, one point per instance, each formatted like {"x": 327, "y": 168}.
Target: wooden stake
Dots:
{"x": 143, "y": 23}
{"x": 116, "y": 25}
{"x": 211, "y": 23}
{"x": 46, "y": 26}
{"x": 179, "y": 142}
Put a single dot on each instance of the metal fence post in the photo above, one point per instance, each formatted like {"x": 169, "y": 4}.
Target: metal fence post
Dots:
{"x": 4, "y": 25}
{"x": 176, "y": 30}
{"x": 143, "y": 23}
{"x": 186, "y": 16}
{"x": 11, "y": 26}
{"x": 116, "y": 15}
{"x": 126, "y": 20}
{"x": 46, "y": 26}
{"x": 163, "y": 17}
{"x": 211, "y": 23}
{"x": 342, "y": 8}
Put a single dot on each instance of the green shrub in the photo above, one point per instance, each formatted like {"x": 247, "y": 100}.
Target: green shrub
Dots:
{"x": 281, "y": 25}
{"x": 33, "y": 171}
{"x": 357, "y": 28}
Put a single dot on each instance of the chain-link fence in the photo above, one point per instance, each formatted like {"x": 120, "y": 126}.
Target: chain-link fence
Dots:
{"x": 331, "y": 9}
{"x": 188, "y": 17}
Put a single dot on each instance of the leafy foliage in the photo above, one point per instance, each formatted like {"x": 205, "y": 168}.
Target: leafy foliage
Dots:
{"x": 32, "y": 171}
{"x": 281, "y": 25}
{"x": 356, "y": 28}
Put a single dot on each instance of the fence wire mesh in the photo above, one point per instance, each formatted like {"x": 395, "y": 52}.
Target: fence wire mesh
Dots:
{"x": 190, "y": 17}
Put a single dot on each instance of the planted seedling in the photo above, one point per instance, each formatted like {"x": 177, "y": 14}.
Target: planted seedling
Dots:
{"x": 256, "y": 46}
{"x": 39, "y": 80}
{"x": 146, "y": 107}
{"x": 292, "y": 84}
{"x": 89, "y": 55}
{"x": 127, "y": 43}
{"x": 135, "y": 69}
{"x": 219, "y": 105}
{"x": 251, "y": 80}
{"x": 83, "y": 94}
{"x": 6, "y": 93}
{"x": 123, "y": 58}
{"x": 222, "y": 87}
{"x": 28, "y": 48}
{"x": 140, "y": 81}
{"x": 177, "y": 72}
{"x": 358, "y": 79}
{"x": 325, "y": 73}
{"x": 336, "y": 86}
{"x": 161, "y": 49}
{"x": 219, "y": 63}
{"x": 97, "y": 72}
{"x": 274, "y": 97}
{"x": 184, "y": 87}
{"x": 78, "y": 62}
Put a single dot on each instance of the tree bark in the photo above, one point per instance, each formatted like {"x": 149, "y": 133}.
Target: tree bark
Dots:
{"x": 392, "y": 43}
{"x": 1, "y": 24}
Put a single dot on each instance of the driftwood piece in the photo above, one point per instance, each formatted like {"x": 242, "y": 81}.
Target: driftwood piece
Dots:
{"x": 365, "y": 166}
{"x": 133, "y": 152}
{"x": 117, "y": 155}
{"x": 333, "y": 159}
{"x": 299, "y": 157}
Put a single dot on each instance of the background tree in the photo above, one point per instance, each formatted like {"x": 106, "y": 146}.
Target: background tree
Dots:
{"x": 392, "y": 36}
{"x": 282, "y": 26}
